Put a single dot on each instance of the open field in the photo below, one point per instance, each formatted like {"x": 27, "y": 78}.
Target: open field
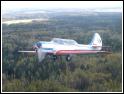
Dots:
{"x": 22, "y": 21}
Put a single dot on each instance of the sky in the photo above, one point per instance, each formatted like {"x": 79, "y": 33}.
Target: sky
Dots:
{"x": 10, "y": 5}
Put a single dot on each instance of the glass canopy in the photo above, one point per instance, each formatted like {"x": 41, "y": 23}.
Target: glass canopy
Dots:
{"x": 64, "y": 41}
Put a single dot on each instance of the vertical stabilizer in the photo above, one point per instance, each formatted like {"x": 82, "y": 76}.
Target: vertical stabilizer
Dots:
{"x": 96, "y": 41}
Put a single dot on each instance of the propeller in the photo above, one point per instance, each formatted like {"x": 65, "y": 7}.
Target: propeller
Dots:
{"x": 37, "y": 48}
{"x": 41, "y": 54}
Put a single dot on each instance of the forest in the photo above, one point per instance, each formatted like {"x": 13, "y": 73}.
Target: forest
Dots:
{"x": 85, "y": 73}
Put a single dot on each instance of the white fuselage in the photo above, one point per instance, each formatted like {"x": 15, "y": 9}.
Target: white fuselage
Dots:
{"x": 58, "y": 46}
{"x": 55, "y": 48}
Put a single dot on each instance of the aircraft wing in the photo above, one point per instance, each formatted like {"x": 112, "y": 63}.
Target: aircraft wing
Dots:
{"x": 27, "y": 51}
{"x": 40, "y": 54}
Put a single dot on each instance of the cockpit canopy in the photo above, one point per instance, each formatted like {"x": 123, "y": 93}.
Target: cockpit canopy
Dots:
{"x": 64, "y": 41}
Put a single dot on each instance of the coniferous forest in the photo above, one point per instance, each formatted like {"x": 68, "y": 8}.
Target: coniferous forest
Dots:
{"x": 85, "y": 73}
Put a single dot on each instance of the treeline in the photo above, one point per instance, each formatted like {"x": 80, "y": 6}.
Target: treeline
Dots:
{"x": 84, "y": 73}
{"x": 22, "y": 72}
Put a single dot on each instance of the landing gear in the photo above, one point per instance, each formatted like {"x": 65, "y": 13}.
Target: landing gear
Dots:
{"x": 68, "y": 58}
{"x": 54, "y": 57}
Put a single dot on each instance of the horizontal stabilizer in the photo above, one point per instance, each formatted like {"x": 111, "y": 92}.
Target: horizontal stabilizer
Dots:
{"x": 96, "y": 46}
{"x": 107, "y": 46}
{"x": 104, "y": 52}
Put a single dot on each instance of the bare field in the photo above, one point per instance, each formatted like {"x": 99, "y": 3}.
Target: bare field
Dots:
{"x": 22, "y": 21}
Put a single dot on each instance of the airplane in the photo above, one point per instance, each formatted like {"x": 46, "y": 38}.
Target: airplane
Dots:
{"x": 68, "y": 47}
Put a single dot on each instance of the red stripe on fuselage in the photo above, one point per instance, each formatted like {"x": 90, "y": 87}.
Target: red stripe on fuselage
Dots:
{"x": 76, "y": 51}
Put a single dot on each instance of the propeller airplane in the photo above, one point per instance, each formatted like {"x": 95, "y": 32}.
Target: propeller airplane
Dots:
{"x": 68, "y": 47}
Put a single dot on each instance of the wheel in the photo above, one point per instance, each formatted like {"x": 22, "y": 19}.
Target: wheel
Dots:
{"x": 68, "y": 57}
{"x": 54, "y": 57}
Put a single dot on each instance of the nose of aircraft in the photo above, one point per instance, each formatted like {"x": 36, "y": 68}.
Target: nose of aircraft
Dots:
{"x": 37, "y": 45}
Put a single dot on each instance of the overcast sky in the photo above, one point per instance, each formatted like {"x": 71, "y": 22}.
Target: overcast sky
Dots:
{"x": 8, "y": 5}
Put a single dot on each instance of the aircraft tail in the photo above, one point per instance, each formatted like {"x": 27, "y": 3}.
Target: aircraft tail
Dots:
{"x": 96, "y": 42}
